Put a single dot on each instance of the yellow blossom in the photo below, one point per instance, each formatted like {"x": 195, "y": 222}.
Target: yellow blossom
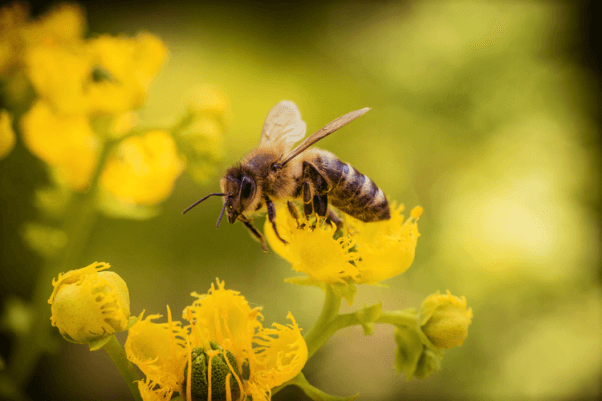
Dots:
{"x": 143, "y": 169}
{"x": 223, "y": 326}
{"x": 102, "y": 75}
{"x": 88, "y": 304}
{"x": 444, "y": 320}
{"x": 366, "y": 253}
{"x": 7, "y": 135}
{"x": 64, "y": 142}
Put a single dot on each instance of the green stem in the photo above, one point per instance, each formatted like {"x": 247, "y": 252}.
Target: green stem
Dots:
{"x": 397, "y": 318}
{"x": 125, "y": 367}
{"x": 330, "y": 310}
{"x": 78, "y": 225}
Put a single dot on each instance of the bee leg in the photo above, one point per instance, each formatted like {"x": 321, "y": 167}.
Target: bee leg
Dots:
{"x": 320, "y": 204}
{"x": 293, "y": 211}
{"x": 272, "y": 217}
{"x": 332, "y": 217}
{"x": 308, "y": 207}
{"x": 249, "y": 224}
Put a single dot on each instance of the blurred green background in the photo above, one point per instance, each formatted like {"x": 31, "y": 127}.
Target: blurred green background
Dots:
{"x": 484, "y": 113}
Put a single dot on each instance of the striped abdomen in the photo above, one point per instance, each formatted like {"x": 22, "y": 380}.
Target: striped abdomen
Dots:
{"x": 349, "y": 190}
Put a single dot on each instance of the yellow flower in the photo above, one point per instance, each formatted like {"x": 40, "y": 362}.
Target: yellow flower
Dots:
{"x": 7, "y": 135}
{"x": 143, "y": 169}
{"x": 88, "y": 304}
{"x": 64, "y": 142}
{"x": 226, "y": 330}
{"x": 366, "y": 253}
{"x": 444, "y": 320}
{"x": 103, "y": 75}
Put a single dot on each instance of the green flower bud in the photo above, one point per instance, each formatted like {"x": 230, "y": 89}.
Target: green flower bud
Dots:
{"x": 199, "y": 381}
{"x": 88, "y": 304}
{"x": 444, "y": 320}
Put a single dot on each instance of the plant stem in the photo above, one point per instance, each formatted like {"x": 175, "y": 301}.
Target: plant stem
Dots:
{"x": 398, "y": 318}
{"x": 125, "y": 367}
{"x": 330, "y": 310}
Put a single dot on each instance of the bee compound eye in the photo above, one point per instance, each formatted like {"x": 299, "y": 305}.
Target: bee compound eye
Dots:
{"x": 246, "y": 188}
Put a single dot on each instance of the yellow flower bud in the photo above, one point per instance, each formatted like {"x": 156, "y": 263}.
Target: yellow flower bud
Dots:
{"x": 444, "y": 320}
{"x": 89, "y": 304}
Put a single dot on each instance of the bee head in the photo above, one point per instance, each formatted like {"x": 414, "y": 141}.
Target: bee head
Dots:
{"x": 240, "y": 190}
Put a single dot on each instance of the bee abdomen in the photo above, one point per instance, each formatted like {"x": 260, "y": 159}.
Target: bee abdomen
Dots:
{"x": 353, "y": 192}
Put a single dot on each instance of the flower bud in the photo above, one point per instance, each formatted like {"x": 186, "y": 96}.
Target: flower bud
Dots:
{"x": 220, "y": 369}
{"x": 444, "y": 320}
{"x": 88, "y": 304}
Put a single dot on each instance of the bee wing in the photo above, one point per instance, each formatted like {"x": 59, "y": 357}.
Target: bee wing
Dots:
{"x": 324, "y": 132}
{"x": 283, "y": 126}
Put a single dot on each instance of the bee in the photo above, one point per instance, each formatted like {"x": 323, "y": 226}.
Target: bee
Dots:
{"x": 274, "y": 170}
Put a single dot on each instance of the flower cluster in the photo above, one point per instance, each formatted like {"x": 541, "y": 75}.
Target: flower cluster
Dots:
{"x": 366, "y": 253}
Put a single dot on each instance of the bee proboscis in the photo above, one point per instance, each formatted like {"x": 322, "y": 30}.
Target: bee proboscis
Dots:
{"x": 274, "y": 170}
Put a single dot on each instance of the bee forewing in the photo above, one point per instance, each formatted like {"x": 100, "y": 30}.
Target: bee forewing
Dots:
{"x": 325, "y": 131}
{"x": 283, "y": 126}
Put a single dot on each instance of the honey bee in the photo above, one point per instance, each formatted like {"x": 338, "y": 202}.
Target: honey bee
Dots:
{"x": 317, "y": 177}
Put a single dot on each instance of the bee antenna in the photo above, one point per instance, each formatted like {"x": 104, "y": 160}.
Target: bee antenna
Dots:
{"x": 200, "y": 200}
{"x": 221, "y": 214}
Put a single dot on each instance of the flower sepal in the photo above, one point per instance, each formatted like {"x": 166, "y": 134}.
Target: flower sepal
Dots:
{"x": 97, "y": 344}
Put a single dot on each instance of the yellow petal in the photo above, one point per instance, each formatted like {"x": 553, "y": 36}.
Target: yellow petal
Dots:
{"x": 387, "y": 247}
{"x": 280, "y": 353}
{"x": 313, "y": 251}
{"x": 158, "y": 349}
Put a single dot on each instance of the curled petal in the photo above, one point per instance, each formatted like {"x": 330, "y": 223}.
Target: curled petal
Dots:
{"x": 279, "y": 355}
{"x": 158, "y": 349}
